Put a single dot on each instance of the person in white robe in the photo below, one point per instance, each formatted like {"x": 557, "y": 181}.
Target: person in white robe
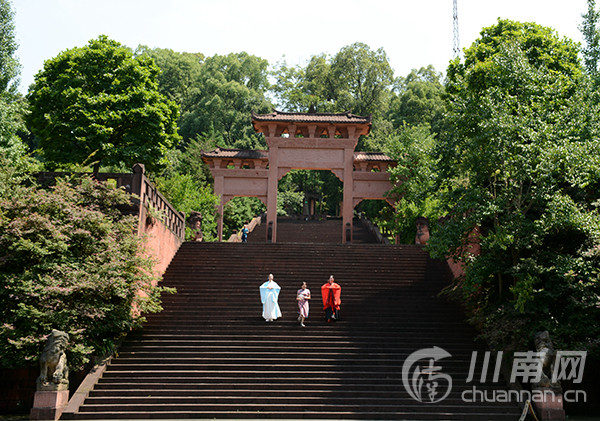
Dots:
{"x": 269, "y": 294}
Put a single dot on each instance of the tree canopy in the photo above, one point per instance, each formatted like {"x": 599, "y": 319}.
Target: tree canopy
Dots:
{"x": 11, "y": 106}
{"x": 179, "y": 73}
{"x": 98, "y": 104}
{"x": 591, "y": 35}
{"x": 69, "y": 260}
{"x": 518, "y": 122}
{"x": 228, "y": 89}
{"x": 418, "y": 100}
{"x": 356, "y": 79}
{"x": 9, "y": 65}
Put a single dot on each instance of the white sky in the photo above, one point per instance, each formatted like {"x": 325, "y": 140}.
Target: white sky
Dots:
{"x": 413, "y": 33}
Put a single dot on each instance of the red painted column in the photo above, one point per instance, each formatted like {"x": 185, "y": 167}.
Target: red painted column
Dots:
{"x": 219, "y": 191}
{"x": 347, "y": 206}
{"x": 272, "y": 192}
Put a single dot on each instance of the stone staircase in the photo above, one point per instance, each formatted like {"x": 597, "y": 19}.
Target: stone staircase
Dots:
{"x": 209, "y": 354}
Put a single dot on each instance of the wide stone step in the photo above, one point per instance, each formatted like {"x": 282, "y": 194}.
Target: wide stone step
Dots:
{"x": 332, "y": 405}
{"x": 376, "y": 414}
{"x": 329, "y": 401}
{"x": 254, "y": 391}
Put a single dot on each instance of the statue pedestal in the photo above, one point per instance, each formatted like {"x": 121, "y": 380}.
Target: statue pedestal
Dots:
{"x": 551, "y": 406}
{"x": 49, "y": 404}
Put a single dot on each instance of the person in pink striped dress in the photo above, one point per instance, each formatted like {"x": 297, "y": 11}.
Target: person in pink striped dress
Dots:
{"x": 303, "y": 296}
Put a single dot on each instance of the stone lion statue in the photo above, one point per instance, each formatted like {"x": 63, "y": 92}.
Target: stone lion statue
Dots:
{"x": 53, "y": 361}
{"x": 195, "y": 223}
{"x": 543, "y": 345}
{"x": 422, "y": 225}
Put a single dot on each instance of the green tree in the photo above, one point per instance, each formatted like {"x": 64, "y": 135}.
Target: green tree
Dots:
{"x": 414, "y": 179}
{"x": 239, "y": 211}
{"x": 188, "y": 194}
{"x": 11, "y": 105}
{"x": 9, "y": 65}
{"x": 70, "y": 260}
{"x": 98, "y": 104}
{"x": 228, "y": 89}
{"x": 589, "y": 30}
{"x": 364, "y": 78}
{"x": 356, "y": 79}
{"x": 518, "y": 168}
{"x": 297, "y": 183}
{"x": 179, "y": 73}
{"x": 11, "y": 124}
{"x": 418, "y": 100}
{"x": 298, "y": 89}
{"x": 191, "y": 157}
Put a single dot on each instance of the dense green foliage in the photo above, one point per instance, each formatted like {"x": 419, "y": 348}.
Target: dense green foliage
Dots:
{"x": 9, "y": 65}
{"x": 356, "y": 79}
{"x": 188, "y": 195}
{"x": 520, "y": 167}
{"x": 11, "y": 125}
{"x": 239, "y": 211}
{"x": 69, "y": 260}
{"x": 591, "y": 36}
{"x": 419, "y": 100}
{"x": 11, "y": 106}
{"x": 179, "y": 72}
{"x": 98, "y": 104}
{"x": 414, "y": 177}
{"x": 228, "y": 89}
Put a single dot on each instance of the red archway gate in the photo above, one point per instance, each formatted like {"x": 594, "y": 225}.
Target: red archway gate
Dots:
{"x": 311, "y": 141}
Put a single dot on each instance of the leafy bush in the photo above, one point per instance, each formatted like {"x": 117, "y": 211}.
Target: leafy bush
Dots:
{"x": 187, "y": 195}
{"x": 412, "y": 147}
{"x": 518, "y": 169}
{"x": 289, "y": 202}
{"x": 70, "y": 260}
{"x": 239, "y": 211}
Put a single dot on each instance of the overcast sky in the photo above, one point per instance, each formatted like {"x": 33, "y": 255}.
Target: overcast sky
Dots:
{"x": 413, "y": 33}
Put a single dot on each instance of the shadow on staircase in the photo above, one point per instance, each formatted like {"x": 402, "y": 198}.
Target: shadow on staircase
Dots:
{"x": 209, "y": 354}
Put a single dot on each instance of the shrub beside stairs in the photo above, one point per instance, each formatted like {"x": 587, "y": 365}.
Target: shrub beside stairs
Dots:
{"x": 210, "y": 354}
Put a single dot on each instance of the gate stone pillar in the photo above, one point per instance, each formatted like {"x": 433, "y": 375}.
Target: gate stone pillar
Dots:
{"x": 348, "y": 205}
{"x": 219, "y": 189}
{"x": 272, "y": 192}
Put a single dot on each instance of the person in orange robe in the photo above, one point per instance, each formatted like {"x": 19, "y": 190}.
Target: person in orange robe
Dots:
{"x": 331, "y": 293}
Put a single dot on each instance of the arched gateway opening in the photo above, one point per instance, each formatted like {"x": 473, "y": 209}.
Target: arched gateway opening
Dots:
{"x": 309, "y": 195}
{"x": 310, "y": 141}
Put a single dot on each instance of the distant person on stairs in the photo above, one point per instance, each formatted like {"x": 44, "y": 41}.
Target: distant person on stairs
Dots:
{"x": 269, "y": 294}
{"x": 245, "y": 233}
{"x": 331, "y": 293}
{"x": 303, "y": 295}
